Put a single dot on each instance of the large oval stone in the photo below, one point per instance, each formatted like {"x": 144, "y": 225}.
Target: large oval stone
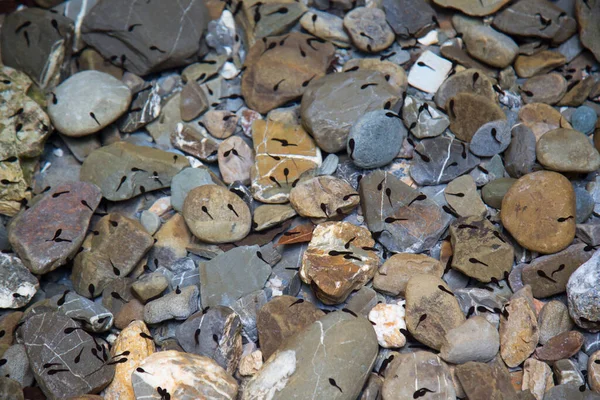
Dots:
{"x": 567, "y": 150}
{"x": 539, "y": 211}
{"x": 331, "y": 359}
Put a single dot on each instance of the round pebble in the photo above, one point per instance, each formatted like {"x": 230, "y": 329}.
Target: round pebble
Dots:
{"x": 368, "y": 29}
{"x": 584, "y": 119}
{"x": 376, "y": 139}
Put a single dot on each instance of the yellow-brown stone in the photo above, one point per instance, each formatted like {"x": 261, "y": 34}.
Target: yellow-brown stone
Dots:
{"x": 469, "y": 111}
{"x": 541, "y": 118}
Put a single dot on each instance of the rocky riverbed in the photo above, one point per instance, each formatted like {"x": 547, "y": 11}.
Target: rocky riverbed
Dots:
{"x": 299, "y": 199}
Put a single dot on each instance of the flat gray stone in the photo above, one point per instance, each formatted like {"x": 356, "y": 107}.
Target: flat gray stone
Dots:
{"x": 186, "y": 180}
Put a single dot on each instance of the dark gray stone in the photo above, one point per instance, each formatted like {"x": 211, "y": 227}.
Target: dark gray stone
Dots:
{"x": 520, "y": 156}
{"x": 491, "y": 138}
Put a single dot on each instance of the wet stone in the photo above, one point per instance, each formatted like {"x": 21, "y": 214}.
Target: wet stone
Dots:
{"x": 548, "y": 275}
{"x": 63, "y": 347}
{"x": 87, "y": 102}
{"x": 549, "y": 88}
{"x": 124, "y": 170}
{"x": 283, "y": 153}
{"x": 539, "y": 212}
{"x": 567, "y": 150}
{"x": 220, "y": 123}
{"x": 401, "y": 218}
{"x": 280, "y": 68}
{"x": 179, "y": 304}
{"x": 291, "y": 369}
{"x": 462, "y": 197}
{"x": 147, "y": 44}
{"x": 172, "y": 239}
{"x": 537, "y": 378}
{"x": 520, "y": 156}
{"x": 39, "y": 49}
{"x": 469, "y": 113}
{"x": 472, "y": 7}
{"x": 216, "y": 334}
{"x": 232, "y": 275}
{"x": 566, "y": 371}
{"x": 553, "y": 320}
{"x": 391, "y": 278}
{"x": 150, "y": 286}
{"x": 182, "y": 374}
{"x": 17, "y": 284}
{"x": 196, "y": 141}
{"x": 440, "y": 160}
{"x": 236, "y": 159}
{"x": 216, "y": 215}
{"x": 63, "y": 214}
{"x": 589, "y": 31}
{"x": 10, "y": 389}
{"x": 17, "y": 365}
{"x": 561, "y": 346}
{"x": 368, "y": 29}
{"x": 270, "y": 215}
{"x": 118, "y": 246}
{"x": 376, "y": 139}
{"x": 408, "y": 375}
{"x": 582, "y": 294}
{"x": 468, "y": 81}
{"x": 393, "y": 73}
{"x": 479, "y": 250}
{"x": 281, "y": 318}
{"x": 324, "y": 197}
{"x": 422, "y": 118}
{"x": 338, "y": 260}
{"x": 523, "y": 19}
{"x": 431, "y": 310}
{"x": 193, "y": 101}
{"x": 348, "y": 95}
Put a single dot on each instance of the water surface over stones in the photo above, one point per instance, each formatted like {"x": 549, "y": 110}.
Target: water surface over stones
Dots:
{"x": 278, "y": 67}
{"x": 147, "y": 44}
{"x": 216, "y": 215}
{"x": 401, "y": 218}
{"x": 87, "y": 102}
{"x": 122, "y": 170}
{"x": 338, "y": 260}
{"x": 305, "y": 363}
{"x": 52, "y": 230}
{"x": 332, "y": 104}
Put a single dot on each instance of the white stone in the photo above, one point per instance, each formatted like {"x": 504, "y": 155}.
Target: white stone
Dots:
{"x": 388, "y": 320}
{"x": 429, "y": 72}
{"x": 87, "y": 102}
{"x": 430, "y": 38}
{"x": 251, "y": 363}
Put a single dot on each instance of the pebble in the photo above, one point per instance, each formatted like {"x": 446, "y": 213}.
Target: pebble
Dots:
{"x": 216, "y": 215}
{"x": 17, "y": 365}
{"x": 567, "y": 150}
{"x": 87, "y": 102}
{"x": 588, "y": 29}
{"x": 186, "y": 180}
{"x": 486, "y": 381}
{"x": 271, "y": 215}
{"x": 347, "y": 95}
{"x": 429, "y": 72}
{"x": 475, "y": 340}
{"x": 470, "y": 80}
{"x": 462, "y": 197}
{"x": 281, "y": 318}
{"x": 520, "y": 155}
{"x": 519, "y": 333}
{"x": 17, "y": 284}
{"x": 368, "y": 29}
{"x": 236, "y": 159}
{"x": 561, "y": 346}
{"x": 430, "y": 310}
{"x": 423, "y": 119}
{"x": 408, "y": 374}
{"x": 178, "y": 304}
{"x": 493, "y": 193}
{"x": 172, "y": 239}
{"x": 288, "y": 371}
{"x": 376, "y": 138}
{"x": 193, "y": 140}
{"x": 220, "y": 123}
{"x": 63, "y": 214}
{"x": 539, "y": 212}
{"x": 323, "y": 197}
{"x": 539, "y": 63}
{"x": 537, "y": 378}
{"x": 581, "y": 294}
{"x": 411, "y": 18}
{"x": 553, "y": 320}
{"x": 388, "y": 323}
{"x": 392, "y": 277}
{"x": 325, "y": 26}
{"x": 471, "y": 7}
{"x": 232, "y": 275}
{"x": 10, "y": 389}
{"x": 182, "y": 374}
{"x": 584, "y": 119}
{"x": 469, "y": 113}
{"x": 542, "y": 118}
{"x": 339, "y": 259}
{"x": 405, "y": 220}
{"x": 394, "y": 74}
{"x": 193, "y": 101}
{"x": 150, "y": 286}
{"x": 548, "y": 88}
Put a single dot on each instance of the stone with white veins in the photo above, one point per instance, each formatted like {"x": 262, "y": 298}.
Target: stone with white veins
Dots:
{"x": 429, "y": 72}
{"x": 423, "y": 119}
{"x": 87, "y": 102}
{"x": 17, "y": 284}
{"x": 388, "y": 321}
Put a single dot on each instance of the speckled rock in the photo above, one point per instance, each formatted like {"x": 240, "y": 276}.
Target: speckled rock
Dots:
{"x": 519, "y": 332}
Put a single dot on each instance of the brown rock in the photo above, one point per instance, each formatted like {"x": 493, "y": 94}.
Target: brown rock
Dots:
{"x": 453, "y": 50}
{"x": 338, "y": 260}
{"x": 280, "y": 147}
{"x": 430, "y": 310}
{"x": 578, "y": 92}
{"x": 519, "y": 333}
{"x": 393, "y": 276}
{"x": 594, "y": 371}
{"x": 539, "y": 211}
{"x": 281, "y": 318}
{"x": 548, "y": 275}
{"x": 220, "y": 123}
{"x": 587, "y": 14}
{"x": 396, "y": 74}
{"x": 479, "y": 250}
{"x": 541, "y": 118}
{"x": 468, "y": 112}
{"x": 131, "y": 311}
{"x": 539, "y": 63}
{"x": 171, "y": 241}
{"x": 193, "y": 101}
{"x": 270, "y": 215}
{"x": 324, "y": 197}
{"x": 482, "y": 381}
{"x": 475, "y": 8}
{"x": 278, "y": 67}
{"x": 236, "y": 159}
{"x": 216, "y": 215}
{"x": 561, "y": 346}
{"x": 537, "y": 378}
{"x": 548, "y": 89}
{"x": 470, "y": 80}
{"x": 139, "y": 348}
{"x": 368, "y": 29}
{"x": 553, "y": 320}
{"x": 52, "y": 230}
{"x": 567, "y": 150}
{"x": 462, "y": 196}
{"x": 8, "y": 325}
{"x": 194, "y": 141}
